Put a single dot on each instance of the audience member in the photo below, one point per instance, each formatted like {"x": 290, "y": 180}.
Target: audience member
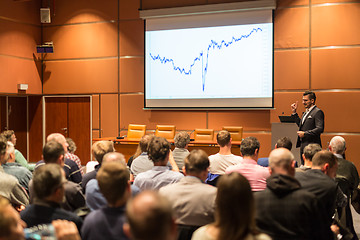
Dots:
{"x": 98, "y": 149}
{"x": 348, "y": 178}
{"x": 71, "y": 154}
{"x": 12, "y": 227}
{"x": 142, "y": 163}
{"x": 319, "y": 180}
{"x": 94, "y": 198}
{"x": 234, "y": 214}
{"x": 248, "y": 167}
{"x": 72, "y": 171}
{"x": 284, "y": 210}
{"x": 107, "y": 222}
{"x": 48, "y": 183}
{"x": 193, "y": 201}
{"x": 159, "y": 175}
{"x": 22, "y": 174}
{"x": 19, "y": 158}
{"x": 53, "y": 153}
{"x": 9, "y": 185}
{"x": 150, "y": 217}
{"x": 284, "y": 142}
{"x": 224, "y": 158}
{"x": 308, "y": 154}
{"x": 180, "y": 152}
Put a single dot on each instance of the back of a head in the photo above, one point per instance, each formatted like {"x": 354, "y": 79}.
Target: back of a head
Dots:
{"x": 310, "y": 150}
{"x": 100, "y": 148}
{"x": 144, "y": 142}
{"x": 338, "y": 145}
{"x": 8, "y": 134}
{"x": 284, "y": 142}
{"x": 311, "y": 95}
{"x": 181, "y": 139}
{"x": 72, "y": 146}
{"x": 57, "y": 137}
{"x": 114, "y": 156}
{"x": 3, "y": 145}
{"x": 52, "y": 151}
{"x": 223, "y": 138}
{"x": 149, "y": 216}
{"x": 323, "y": 157}
{"x": 46, "y": 179}
{"x": 158, "y": 149}
{"x": 113, "y": 180}
{"x": 248, "y": 146}
{"x": 237, "y": 221}
{"x": 281, "y": 159}
{"x": 196, "y": 162}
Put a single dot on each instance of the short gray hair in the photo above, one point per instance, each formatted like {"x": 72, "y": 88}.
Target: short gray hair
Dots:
{"x": 338, "y": 144}
{"x": 181, "y": 139}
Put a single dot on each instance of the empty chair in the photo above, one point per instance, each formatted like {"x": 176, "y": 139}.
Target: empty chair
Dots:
{"x": 204, "y": 134}
{"x": 166, "y": 131}
{"x": 235, "y": 132}
{"x": 136, "y": 131}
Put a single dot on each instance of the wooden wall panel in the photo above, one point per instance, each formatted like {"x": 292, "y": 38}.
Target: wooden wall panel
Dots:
{"x": 335, "y": 25}
{"x": 35, "y": 128}
{"x": 18, "y": 39}
{"x": 153, "y": 4}
{"x": 335, "y": 68}
{"x": 342, "y": 113}
{"x": 185, "y": 120}
{"x": 265, "y": 142}
{"x": 79, "y": 11}
{"x": 291, "y": 69}
{"x": 282, "y": 103}
{"x": 109, "y": 115}
{"x": 332, "y": 1}
{"x": 74, "y": 77}
{"x": 2, "y": 113}
{"x": 291, "y": 3}
{"x": 16, "y": 70}
{"x": 129, "y": 9}
{"x": 17, "y": 106}
{"x": 95, "y": 111}
{"x": 82, "y": 41}
{"x": 22, "y": 11}
{"x": 132, "y": 38}
{"x": 256, "y": 120}
{"x": 132, "y": 75}
{"x": 291, "y": 28}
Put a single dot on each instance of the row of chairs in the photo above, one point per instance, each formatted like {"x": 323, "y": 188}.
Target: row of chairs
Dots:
{"x": 136, "y": 131}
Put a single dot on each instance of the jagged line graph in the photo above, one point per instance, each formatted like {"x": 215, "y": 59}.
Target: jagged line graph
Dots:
{"x": 213, "y": 44}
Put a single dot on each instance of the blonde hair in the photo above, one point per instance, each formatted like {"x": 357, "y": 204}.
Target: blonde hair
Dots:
{"x": 100, "y": 148}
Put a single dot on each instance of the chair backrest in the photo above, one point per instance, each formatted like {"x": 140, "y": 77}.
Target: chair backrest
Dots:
{"x": 235, "y": 132}
{"x": 166, "y": 131}
{"x": 204, "y": 134}
{"x": 136, "y": 131}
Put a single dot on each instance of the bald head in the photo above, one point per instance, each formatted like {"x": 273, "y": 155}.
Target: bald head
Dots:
{"x": 58, "y": 137}
{"x": 114, "y": 156}
{"x": 337, "y": 145}
{"x": 281, "y": 161}
{"x": 150, "y": 217}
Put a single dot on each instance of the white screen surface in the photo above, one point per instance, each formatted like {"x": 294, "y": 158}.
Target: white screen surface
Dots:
{"x": 213, "y": 61}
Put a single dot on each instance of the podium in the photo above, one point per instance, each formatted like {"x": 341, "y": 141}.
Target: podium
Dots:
{"x": 279, "y": 130}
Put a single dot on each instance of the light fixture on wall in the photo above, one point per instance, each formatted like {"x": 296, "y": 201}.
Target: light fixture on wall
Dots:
{"x": 45, "y": 15}
{"x": 47, "y": 47}
{"x": 22, "y": 86}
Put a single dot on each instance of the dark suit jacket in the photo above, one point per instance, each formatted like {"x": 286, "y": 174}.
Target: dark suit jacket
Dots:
{"x": 313, "y": 126}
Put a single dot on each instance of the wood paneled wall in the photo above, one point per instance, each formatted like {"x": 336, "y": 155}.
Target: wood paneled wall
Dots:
{"x": 99, "y": 50}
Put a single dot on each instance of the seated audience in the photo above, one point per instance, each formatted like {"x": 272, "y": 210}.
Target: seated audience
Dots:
{"x": 98, "y": 149}
{"x": 22, "y": 174}
{"x": 94, "y": 198}
{"x": 12, "y": 227}
{"x": 180, "y": 152}
{"x": 308, "y": 154}
{"x": 53, "y": 153}
{"x": 150, "y": 217}
{"x": 193, "y": 201}
{"x": 9, "y": 185}
{"x": 319, "y": 180}
{"x": 234, "y": 213}
{"x": 107, "y": 222}
{"x": 284, "y": 210}
{"x": 72, "y": 171}
{"x": 142, "y": 163}
{"x": 19, "y": 158}
{"x": 48, "y": 183}
{"x": 160, "y": 175}
{"x": 71, "y": 154}
{"x": 283, "y": 142}
{"x": 224, "y": 158}
{"x": 248, "y": 167}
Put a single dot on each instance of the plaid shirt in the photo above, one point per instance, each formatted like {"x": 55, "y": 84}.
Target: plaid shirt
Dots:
{"x": 76, "y": 159}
